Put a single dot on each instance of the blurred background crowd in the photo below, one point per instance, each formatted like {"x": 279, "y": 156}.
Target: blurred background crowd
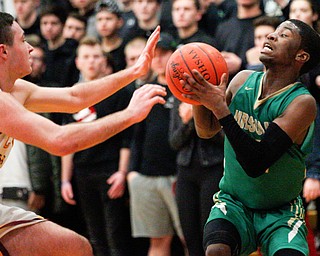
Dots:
{"x": 148, "y": 190}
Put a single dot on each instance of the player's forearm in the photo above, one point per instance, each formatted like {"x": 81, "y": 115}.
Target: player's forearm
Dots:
{"x": 92, "y": 92}
{"x": 207, "y": 125}
{"x": 79, "y": 136}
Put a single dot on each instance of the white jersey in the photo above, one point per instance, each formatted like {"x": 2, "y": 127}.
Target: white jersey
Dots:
{"x": 6, "y": 144}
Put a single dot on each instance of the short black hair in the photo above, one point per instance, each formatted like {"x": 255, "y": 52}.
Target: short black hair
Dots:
{"x": 6, "y": 34}
{"x": 310, "y": 42}
{"x": 78, "y": 17}
{"x": 56, "y": 10}
{"x": 272, "y": 21}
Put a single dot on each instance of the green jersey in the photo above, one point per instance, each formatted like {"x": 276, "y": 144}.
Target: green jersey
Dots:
{"x": 282, "y": 182}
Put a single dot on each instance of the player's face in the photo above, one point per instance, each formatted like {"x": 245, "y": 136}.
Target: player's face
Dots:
{"x": 282, "y": 45}
{"x": 107, "y": 24}
{"x": 185, "y": 13}
{"x": 74, "y": 28}
{"x": 51, "y": 27}
{"x": 302, "y": 10}
{"x": 91, "y": 61}
{"x": 18, "y": 54}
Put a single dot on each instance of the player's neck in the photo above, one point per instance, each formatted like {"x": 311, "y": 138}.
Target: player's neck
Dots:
{"x": 275, "y": 80}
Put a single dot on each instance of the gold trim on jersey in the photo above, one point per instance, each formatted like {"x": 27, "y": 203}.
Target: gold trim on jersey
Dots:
{"x": 259, "y": 102}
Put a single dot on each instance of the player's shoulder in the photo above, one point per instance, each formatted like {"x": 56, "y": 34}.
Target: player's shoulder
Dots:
{"x": 238, "y": 80}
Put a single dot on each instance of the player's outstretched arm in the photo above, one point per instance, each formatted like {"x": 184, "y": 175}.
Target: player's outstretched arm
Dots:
{"x": 81, "y": 95}
{"x": 36, "y": 130}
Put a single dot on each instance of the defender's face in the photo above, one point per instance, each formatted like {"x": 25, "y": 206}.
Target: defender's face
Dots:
{"x": 19, "y": 57}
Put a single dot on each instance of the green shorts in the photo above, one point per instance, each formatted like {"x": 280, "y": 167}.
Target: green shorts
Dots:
{"x": 272, "y": 230}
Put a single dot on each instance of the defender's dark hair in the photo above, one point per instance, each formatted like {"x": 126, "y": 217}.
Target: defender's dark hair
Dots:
{"x": 310, "y": 42}
{"x": 6, "y": 34}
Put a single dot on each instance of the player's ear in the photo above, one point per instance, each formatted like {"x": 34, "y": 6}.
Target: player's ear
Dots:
{"x": 3, "y": 50}
{"x": 302, "y": 56}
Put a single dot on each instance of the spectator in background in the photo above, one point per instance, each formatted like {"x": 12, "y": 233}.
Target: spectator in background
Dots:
{"x": 147, "y": 13}
{"x": 200, "y": 168}
{"x": 129, "y": 19}
{"x": 75, "y": 26}
{"x": 263, "y": 26}
{"x": 60, "y": 72}
{"x": 153, "y": 207}
{"x": 276, "y": 8}
{"x": 132, "y": 51}
{"x": 99, "y": 173}
{"x": 27, "y": 15}
{"x": 210, "y": 18}
{"x": 15, "y": 184}
{"x": 44, "y": 168}
{"x": 108, "y": 24}
{"x": 86, "y": 8}
{"x": 226, "y": 9}
{"x": 236, "y": 35}
{"x": 59, "y": 51}
{"x": 186, "y": 15}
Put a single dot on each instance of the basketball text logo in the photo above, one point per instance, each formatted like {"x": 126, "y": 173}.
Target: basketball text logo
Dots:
{"x": 200, "y": 66}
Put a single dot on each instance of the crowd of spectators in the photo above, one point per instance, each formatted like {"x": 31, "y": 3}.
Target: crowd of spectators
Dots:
{"x": 74, "y": 38}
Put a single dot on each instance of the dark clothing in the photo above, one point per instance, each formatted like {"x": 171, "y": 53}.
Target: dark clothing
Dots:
{"x": 34, "y": 29}
{"x": 199, "y": 36}
{"x": 151, "y": 153}
{"x": 210, "y": 20}
{"x": 117, "y": 58}
{"x": 313, "y": 159}
{"x": 200, "y": 168}
{"x": 60, "y": 67}
{"x": 226, "y": 10}
{"x": 136, "y": 31}
{"x": 237, "y": 36}
{"x": 107, "y": 151}
{"x": 107, "y": 220}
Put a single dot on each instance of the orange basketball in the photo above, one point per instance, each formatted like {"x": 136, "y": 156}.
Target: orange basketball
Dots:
{"x": 203, "y": 57}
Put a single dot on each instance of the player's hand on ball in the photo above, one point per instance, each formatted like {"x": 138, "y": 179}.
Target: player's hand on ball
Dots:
{"x": 209, "y": 95}
{"x": 144, "y": 99}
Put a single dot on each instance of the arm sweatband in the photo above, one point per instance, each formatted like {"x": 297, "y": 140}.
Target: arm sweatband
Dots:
{"x": 256, "y": 157}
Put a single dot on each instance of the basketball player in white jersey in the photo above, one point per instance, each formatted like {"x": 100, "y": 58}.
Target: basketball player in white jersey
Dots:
{"x": 22, "y": 232}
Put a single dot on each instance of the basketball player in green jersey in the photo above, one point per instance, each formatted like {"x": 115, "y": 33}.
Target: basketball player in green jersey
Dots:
{"x": 268, "y": 121}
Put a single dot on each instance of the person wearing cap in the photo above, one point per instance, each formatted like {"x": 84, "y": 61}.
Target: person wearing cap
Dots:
{"x": 153, "y": 207}
{"x": 108, "y": 24}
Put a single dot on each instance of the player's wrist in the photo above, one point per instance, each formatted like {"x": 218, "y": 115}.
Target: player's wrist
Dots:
{"x": 220, "y": 114}
{"x": 65, "y": 182}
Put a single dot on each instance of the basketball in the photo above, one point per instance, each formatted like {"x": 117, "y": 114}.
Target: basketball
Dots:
{"x": 203, "y": 57}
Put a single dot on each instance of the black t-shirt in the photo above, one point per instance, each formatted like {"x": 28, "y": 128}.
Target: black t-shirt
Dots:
{"x": 151, "y": 153}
